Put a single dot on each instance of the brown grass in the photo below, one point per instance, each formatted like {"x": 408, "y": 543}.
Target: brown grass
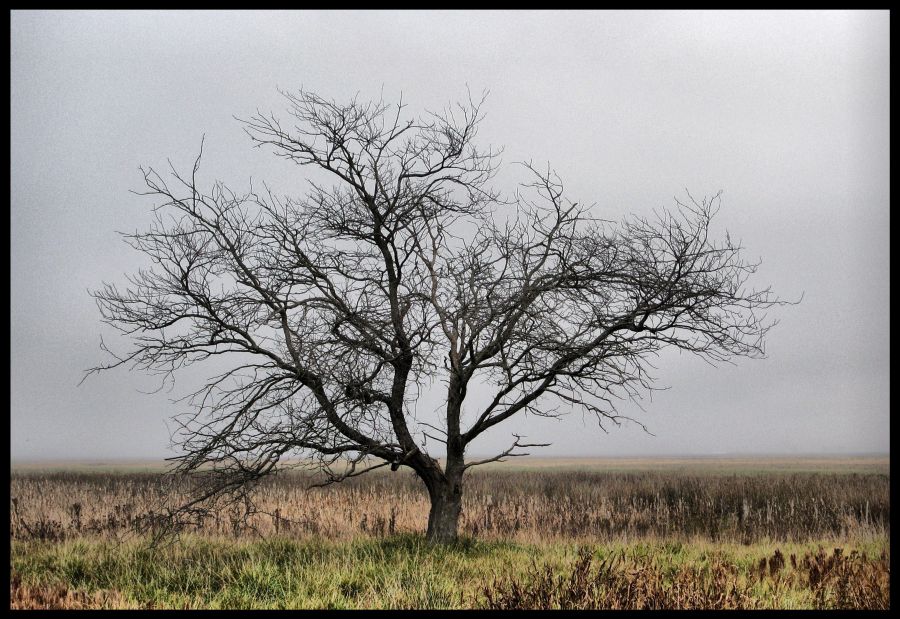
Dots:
{"x": 658, "y": 539}
{"x": 44, "y": 597}
{"x": 524, "y": 505}
{"x": 618, "y": 582}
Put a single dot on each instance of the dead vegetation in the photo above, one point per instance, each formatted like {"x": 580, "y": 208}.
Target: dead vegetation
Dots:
{"x": 60, "y": 597}
{"x": 617, "y": 582}
{"x": 521, "y": 505}
{"x": 650, "y": 540}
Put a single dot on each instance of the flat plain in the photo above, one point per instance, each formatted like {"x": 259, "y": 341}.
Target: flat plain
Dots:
{"x": 723, "y": 532}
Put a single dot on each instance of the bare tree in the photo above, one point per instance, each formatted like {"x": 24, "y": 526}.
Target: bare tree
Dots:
{"x": 336, "y": 309}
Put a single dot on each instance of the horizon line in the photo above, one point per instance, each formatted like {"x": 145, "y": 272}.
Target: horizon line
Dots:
{"x": 723, "y": 455}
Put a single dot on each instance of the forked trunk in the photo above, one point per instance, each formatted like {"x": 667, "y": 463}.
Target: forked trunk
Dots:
{"x": 446, "y": 506}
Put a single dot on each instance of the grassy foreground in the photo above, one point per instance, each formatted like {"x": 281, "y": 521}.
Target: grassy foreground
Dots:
{"x": 403, "y": 571}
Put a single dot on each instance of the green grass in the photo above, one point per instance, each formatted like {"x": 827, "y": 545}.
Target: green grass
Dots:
{"x": 568, "y": 502}
{"x": 395, "y": 572}
{"x": 398, "y": 572}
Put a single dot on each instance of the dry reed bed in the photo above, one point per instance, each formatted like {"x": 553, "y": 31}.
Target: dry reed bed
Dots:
{"x": 23, "y": 596}
{"x": 523, "y": 505}
{"x": 617, "y": 582}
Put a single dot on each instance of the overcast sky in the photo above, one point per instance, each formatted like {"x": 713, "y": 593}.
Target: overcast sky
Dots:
{"x": 787, "y": 112}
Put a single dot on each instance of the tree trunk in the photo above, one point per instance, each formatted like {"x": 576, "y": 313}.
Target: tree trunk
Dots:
{"x": 446, "y": 506}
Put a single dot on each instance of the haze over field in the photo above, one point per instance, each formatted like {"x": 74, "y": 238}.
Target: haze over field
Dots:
{"x": 728, "y": 465}
{"x": 787, "y": 112}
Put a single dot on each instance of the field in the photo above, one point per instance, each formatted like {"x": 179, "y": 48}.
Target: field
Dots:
{"x": 537, "y": 533}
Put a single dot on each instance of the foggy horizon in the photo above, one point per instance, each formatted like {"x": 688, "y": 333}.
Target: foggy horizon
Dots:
{"x": 787, "y": 112}
{"x": 535, "y": 456}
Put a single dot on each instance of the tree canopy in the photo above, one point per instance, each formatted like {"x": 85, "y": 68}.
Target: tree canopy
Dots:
{"x": 337, "y": 308}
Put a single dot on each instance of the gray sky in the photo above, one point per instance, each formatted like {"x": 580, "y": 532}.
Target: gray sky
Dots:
{"x": 787, "y": 112}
